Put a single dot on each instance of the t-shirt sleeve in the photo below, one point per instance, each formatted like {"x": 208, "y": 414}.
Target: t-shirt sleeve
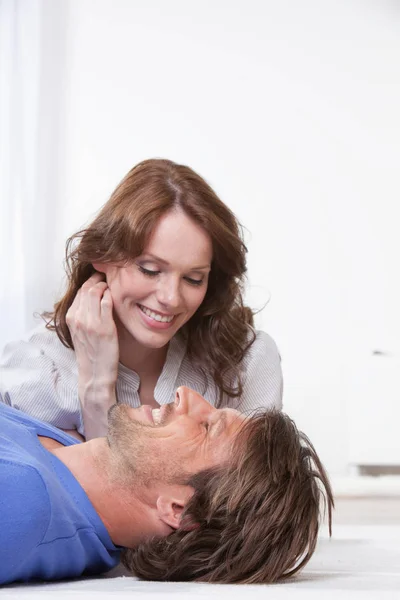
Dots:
{"x": 262, "y": 375}
{"x": 33, "y": 379}
{"x": 24, "y": 517}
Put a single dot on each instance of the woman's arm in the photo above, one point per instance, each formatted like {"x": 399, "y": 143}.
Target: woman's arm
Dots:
{"x": 52, "y": 383}
{"x": 38, "y": 377}
{"x": 96, "y": 401}
{"x": 262, "y": 375}
{"x": 94, "y": 335}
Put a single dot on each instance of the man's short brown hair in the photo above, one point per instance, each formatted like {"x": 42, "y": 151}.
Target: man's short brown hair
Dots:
{"x": 254, "y": 520}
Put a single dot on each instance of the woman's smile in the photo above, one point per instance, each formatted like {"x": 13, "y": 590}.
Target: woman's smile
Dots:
{"x": 154, "y": 319}
{"x": 157, "y": 293}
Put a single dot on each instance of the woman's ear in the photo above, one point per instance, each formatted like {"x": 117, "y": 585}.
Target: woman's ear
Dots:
{"x": 100, "y": 267}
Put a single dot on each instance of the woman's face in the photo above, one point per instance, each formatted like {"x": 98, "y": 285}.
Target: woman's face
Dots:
{"x": 156, "y": 294}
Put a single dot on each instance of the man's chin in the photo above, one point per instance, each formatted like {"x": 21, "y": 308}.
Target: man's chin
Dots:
{"x": 111, "y": 411}
{"x": 119, "y": 422}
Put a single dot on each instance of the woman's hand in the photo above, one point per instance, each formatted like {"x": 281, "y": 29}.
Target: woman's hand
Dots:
{"x": 94, "y": 335}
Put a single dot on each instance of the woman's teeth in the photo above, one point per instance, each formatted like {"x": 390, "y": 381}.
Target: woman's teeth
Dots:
{"x": 156, "y": 414}
{"x": 156, "y": 316}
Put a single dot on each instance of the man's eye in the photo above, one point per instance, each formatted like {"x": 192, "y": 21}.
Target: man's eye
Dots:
{"x": 206, "y": 426}
{"x": 148, "y": 272}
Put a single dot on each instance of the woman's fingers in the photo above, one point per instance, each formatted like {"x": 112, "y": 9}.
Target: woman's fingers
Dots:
{"x": 93, "y": 299}
{"x": 90, "y": 317}
{"x": 107, "y": 305}
{"x": 94, "y": 334}
{"x": 73, "y": 309}
{"x": 87, "y": 301}
{"x": 93, "y": 279}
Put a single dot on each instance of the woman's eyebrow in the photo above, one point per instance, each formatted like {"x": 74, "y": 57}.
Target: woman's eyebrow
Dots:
{"x": 148, "y": 256}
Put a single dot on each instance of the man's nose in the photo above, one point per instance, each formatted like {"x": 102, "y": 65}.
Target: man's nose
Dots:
{"x": 168, "y": 293}
{"x": 190, "y": 402}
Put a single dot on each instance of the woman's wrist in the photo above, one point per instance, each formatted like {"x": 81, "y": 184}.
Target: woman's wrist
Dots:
{"x": 94, "y": 388}
{"x": 96, "y": 399}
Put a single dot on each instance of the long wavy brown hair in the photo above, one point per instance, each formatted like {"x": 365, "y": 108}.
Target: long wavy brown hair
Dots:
{"x": 219, "y": 333}
{"x": 255, "y": 520}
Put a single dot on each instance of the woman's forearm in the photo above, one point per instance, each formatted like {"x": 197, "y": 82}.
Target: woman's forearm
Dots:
{"x": 96, "y": 400}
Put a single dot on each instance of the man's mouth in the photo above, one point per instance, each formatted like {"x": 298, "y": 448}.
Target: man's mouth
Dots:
{"x": 156, "y": 316}
{"x": 156, "y": 414}
{"x": 161, "y": 415}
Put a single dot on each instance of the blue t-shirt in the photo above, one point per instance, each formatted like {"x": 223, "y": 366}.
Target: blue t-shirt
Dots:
{"x": 48, "y": 526}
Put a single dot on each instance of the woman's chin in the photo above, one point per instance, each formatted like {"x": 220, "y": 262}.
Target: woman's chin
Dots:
{"x": 150, "y": 339}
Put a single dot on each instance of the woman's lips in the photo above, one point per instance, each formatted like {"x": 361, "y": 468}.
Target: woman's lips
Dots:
{"x": 153, "y": 323}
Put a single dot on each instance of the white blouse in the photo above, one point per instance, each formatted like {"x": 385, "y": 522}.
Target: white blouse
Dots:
{"x": 39, "y": 376}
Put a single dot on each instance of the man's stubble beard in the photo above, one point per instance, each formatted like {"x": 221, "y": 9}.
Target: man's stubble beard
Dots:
{"x": 138, "y": 457}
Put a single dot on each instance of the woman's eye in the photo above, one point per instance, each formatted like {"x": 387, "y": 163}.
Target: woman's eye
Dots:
{"x": 148, "y": 272}
{"x": 194, "y": 281}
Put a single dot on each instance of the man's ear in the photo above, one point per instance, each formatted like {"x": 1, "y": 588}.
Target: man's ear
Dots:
{"x": 171, "y": 504}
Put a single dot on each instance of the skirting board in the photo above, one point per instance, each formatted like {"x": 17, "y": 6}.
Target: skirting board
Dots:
{"x": 366, "y": 486}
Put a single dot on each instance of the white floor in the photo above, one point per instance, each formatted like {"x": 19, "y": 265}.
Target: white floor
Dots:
{"x": 361, "y": 560}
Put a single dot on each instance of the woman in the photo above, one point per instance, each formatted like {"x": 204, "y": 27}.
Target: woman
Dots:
{"x": 154, "y": 301}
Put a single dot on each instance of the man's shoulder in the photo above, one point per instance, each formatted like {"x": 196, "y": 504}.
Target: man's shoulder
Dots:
{"x": 24, "y": 516}
{"x": 22, "y": 487}
{"x": 14, "y": 422}
{"x": 19, "y": 483}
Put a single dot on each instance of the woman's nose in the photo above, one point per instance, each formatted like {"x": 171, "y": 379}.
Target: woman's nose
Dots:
{"x": 168, "y": 294}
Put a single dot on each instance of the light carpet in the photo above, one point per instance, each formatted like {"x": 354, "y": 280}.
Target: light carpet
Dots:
{"x": 359, "y": 561}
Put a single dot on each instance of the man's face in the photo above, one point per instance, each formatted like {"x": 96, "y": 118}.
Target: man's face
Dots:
{"x": 175, "y": 441}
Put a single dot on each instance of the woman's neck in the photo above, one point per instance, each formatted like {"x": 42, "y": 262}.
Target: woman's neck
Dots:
{"x": 144, "y": 361}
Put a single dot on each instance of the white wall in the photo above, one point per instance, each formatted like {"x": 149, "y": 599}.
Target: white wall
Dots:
{"x": 291, "y": 111}
{"x": 32, "y": 131}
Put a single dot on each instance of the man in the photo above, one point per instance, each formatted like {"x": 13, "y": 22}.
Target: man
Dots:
{"x": 191, "y": 492}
